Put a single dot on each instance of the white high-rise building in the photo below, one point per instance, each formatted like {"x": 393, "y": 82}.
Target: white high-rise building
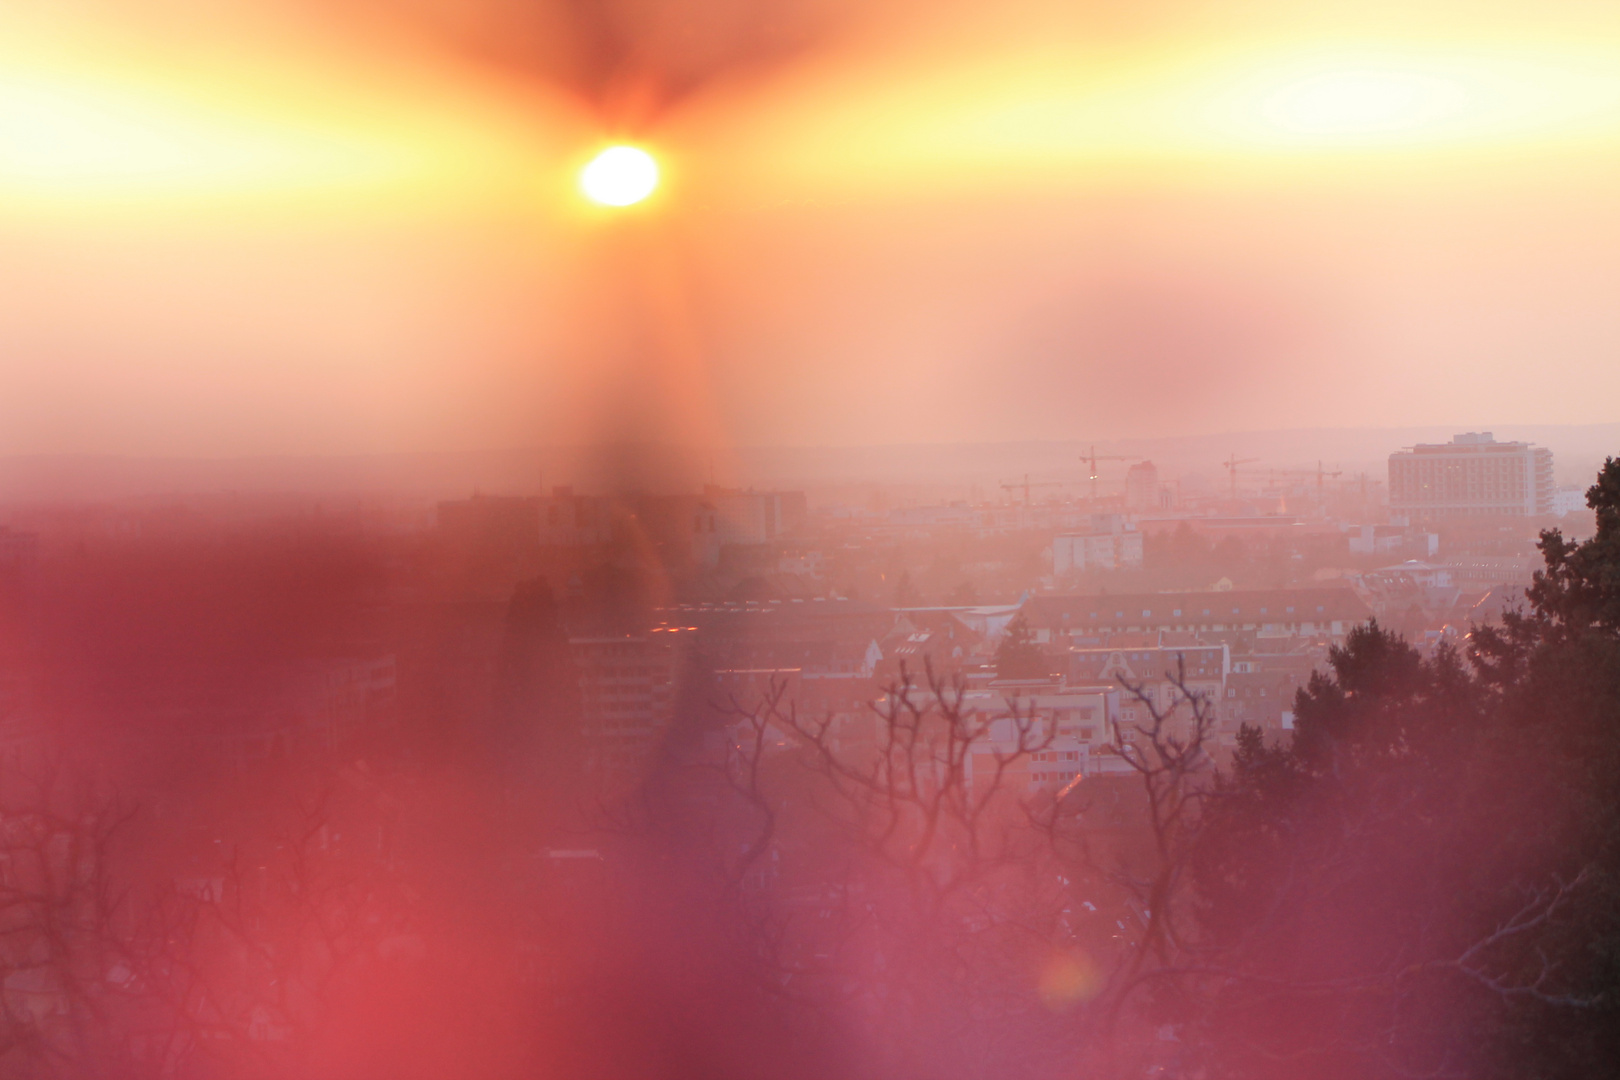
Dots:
{"x": 1471, "y": 476}
{"x": 1110, "y": 543}
{"x": 1142, "y": 487}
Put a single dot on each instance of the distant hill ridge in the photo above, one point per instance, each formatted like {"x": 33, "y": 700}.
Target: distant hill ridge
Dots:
{"x": 1578, "y": 451}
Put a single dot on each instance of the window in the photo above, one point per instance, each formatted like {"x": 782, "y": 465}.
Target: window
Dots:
{"x": 1177, "y": 613}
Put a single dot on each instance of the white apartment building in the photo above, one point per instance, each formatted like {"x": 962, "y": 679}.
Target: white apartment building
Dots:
{"x": 1109, "y": 543}
{"x": 1566, "y": 501}
{"x": 1471, "y": 476}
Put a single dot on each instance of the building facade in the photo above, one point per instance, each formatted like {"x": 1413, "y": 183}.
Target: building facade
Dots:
{"x": 1142, "y": 486}
{"x": 627, "y": 690}
{"x": 1471, "y": 476}
{"x": 1109, "y": 544}
{"x": 756, "y": 517}
{"x": 1569, "y": 500}
{"x": 1329, "y": 612}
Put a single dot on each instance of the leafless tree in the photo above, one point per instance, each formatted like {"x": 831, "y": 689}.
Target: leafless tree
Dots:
{"x": 934, "y": 904}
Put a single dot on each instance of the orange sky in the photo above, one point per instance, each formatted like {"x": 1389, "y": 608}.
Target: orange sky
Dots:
{"x": 313, "y": 227}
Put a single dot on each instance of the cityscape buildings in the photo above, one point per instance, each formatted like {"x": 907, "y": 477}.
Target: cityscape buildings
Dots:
{"x": 1471, "y": 476}
{"x": 605, "y": 663}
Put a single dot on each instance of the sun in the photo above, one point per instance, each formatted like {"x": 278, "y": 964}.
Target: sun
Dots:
{"x": 619, "y": 176}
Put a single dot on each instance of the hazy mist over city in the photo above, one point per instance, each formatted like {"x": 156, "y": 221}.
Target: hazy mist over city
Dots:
{"x": 613, "y": 540}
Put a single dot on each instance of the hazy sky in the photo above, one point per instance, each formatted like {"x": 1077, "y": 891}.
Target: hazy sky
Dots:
{"x": 321, "y": 227}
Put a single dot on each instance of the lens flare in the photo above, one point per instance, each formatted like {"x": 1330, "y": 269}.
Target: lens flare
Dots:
{"x": 1068, "y": 979}
{"x": 619, "y": 176}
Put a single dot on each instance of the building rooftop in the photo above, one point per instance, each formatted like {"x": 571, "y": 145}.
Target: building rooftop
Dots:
{"x": 1117, "y": 611}
{"x": 1468, "y": 442}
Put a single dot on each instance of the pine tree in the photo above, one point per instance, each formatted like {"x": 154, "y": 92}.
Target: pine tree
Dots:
{"x": 1019, "y": 656}
{"x": 1425, "y": 879}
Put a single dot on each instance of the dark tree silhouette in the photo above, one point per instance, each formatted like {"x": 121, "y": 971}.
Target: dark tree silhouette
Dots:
{"x": 536, "y": 739}
{"x": 1425, "y": 879}
{"x": 1019, "y": 656}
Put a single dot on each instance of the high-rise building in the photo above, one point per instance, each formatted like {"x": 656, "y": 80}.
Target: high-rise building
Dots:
{"x": 1142, "y": 487}
{"x": 627, "y": 691}
{"x": 1471, "y": 476}
{"x": 756, "y": 517}
{"x": 1108, "y": 544}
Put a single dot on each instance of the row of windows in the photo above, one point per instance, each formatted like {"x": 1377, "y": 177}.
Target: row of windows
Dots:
{"x": 1147, "y": 613}
{"x": 1454, "y": 485}
{"x": 1305, "y": 626}
{"x": 1488, "y": 464}
{"x": 1204, "y": 657}
{"x": 1506, "y": 478}
{"x": 1084, "y": 734}
{"x": 628, "y": 650}
{"x": 625, "y": 672}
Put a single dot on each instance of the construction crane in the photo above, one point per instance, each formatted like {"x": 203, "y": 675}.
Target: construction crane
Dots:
{"x": 1321, "y": 477}
{"x": 1026, "y": 484}
{"x": 1319, "y": 473}
{"x": 1231, "y": 465}
{"x": 1091, "y": 460}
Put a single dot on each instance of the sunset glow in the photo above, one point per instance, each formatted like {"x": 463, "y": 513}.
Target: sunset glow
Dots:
{"x": 1353, "y": 103}
{"x": 1013, "y": 132}
{"x": 71, "y": 135}
{"x": 619, "y": 176}
{"x": 1502, "y": 98}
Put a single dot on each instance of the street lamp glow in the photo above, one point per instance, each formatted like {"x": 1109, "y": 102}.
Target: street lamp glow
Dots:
{"x": 619, "y": 176}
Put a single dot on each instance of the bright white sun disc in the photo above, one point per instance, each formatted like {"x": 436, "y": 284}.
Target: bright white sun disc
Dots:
{"x": 619, "y": 176}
